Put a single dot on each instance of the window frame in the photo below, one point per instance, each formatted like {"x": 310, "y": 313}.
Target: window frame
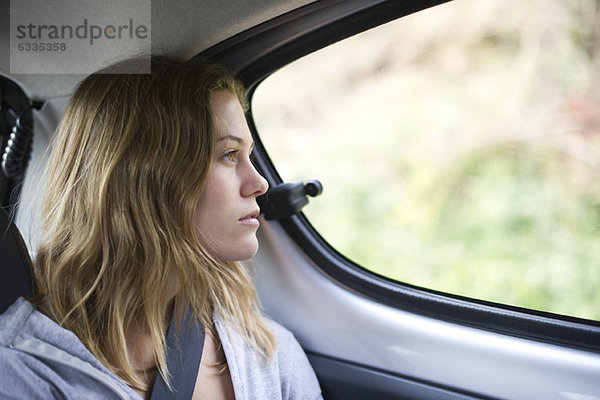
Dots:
{"x": 253, "y": 55}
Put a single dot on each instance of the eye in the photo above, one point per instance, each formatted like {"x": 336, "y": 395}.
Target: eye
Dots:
{"x": 231, "y": 156}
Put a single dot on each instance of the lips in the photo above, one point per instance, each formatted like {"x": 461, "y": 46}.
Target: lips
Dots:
{"x": 253, "y": 214}
{"x": 250, "y": 218}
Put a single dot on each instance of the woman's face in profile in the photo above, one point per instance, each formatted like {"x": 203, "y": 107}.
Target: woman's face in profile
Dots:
{"x": 226, "y": 215}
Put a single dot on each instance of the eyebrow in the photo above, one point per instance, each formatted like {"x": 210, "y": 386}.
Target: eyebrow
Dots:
{"x": 230, "y": 137}
{"x": 235, "y": 139}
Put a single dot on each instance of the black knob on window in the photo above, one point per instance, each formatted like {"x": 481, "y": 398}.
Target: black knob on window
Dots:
{"x": 287, "y": 199}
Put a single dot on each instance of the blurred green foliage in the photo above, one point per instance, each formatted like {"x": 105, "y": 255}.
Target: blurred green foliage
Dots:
{"x": 459, "y": 151}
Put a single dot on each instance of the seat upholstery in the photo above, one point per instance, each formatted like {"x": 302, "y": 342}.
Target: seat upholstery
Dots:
{"x": 15, "y": 264}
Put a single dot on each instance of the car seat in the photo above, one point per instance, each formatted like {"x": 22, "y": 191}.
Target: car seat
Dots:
{"x": 15, "y": 264}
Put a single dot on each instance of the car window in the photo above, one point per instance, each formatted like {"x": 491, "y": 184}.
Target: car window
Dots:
{"x": 459, "y": 149}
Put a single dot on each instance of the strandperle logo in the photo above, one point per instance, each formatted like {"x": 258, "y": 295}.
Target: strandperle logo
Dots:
{"x": 87, "y": 31}
{"x": 78, "y": 36}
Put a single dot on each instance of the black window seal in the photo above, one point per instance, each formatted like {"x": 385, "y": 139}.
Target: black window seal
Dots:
{"x": 258, "y": 52}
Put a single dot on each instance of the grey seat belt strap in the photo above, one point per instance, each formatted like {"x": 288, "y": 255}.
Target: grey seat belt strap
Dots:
{"x": 184, "y": 352}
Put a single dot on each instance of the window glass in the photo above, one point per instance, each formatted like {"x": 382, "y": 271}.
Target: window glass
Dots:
{"x": 459, "y": 149}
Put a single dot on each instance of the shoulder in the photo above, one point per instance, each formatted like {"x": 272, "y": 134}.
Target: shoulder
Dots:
{"x": 298, "y": 379}
{"x": 23, "y": 322}
{"x": 287, "y": 375}
{"x": 14, "y": 320}
{"x": 41, "y": 360}
{"x": 288, "y": 346}
{"x": 22, "y": 375}
{"x": 282, "y": 334}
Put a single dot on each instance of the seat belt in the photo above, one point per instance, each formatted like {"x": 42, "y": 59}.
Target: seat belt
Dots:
{"x": 184, "y": 352}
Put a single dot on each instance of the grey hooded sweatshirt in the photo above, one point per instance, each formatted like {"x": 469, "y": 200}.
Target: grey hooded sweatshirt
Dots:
{"x": 41, "y": 360}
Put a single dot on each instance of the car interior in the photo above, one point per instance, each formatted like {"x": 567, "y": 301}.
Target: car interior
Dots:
{"x": 366, "y": 335}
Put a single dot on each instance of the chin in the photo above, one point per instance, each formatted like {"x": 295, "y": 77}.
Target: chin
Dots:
{"x": 239, "y": 253}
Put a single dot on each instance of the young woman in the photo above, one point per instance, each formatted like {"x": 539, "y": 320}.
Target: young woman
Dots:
{"x": 150, "y": 204}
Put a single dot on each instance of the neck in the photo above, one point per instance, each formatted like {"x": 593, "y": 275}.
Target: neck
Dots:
{"x": 141, "y": 353}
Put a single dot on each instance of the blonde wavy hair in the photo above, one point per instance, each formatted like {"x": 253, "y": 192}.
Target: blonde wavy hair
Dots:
{"x": 127, "y": 166}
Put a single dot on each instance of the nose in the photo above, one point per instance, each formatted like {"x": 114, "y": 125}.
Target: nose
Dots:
{"x": 254, "y": 184}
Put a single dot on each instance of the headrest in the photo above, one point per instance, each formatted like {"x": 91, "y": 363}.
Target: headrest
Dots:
{"x": 15, "y": 264}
